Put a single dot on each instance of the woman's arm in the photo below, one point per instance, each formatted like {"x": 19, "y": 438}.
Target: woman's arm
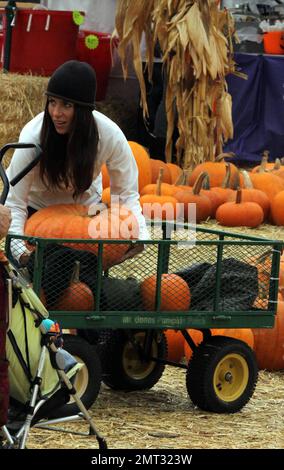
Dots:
{"x": 17, "y": 199}
{"x": 123, "y": 174}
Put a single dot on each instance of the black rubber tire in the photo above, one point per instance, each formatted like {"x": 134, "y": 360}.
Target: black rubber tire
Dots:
{"x": 228, "y": 390}
{"x": 90, "y": 335}
{"x": 88, "y": 379}
{"x": 118, "y": 355}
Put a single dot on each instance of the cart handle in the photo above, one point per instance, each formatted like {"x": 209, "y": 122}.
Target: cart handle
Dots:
{"x": 23, "y": 172}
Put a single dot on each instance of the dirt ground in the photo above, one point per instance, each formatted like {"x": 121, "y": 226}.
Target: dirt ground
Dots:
{"x": 164, "y": 418}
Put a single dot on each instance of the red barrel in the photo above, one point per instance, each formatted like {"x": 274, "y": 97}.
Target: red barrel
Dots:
{"x": 41, "y": 40}
{"x": 99, "y": 58}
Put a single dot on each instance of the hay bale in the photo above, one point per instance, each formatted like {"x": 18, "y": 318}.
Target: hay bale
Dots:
{"x": 22, "y": 97}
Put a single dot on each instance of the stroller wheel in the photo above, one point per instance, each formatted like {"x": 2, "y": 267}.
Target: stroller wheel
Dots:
{"x": 87, "y": 381}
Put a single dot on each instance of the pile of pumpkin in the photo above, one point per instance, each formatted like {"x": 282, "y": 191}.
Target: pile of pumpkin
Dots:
{"x": 218, "y": 189}
{"x": 234, "y": 198}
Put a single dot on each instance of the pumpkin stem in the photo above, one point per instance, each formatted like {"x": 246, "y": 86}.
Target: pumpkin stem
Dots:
{"x": 222, "y": 155}
{"x": 199, "y": 182}
{"x": 76, "y": 273}
{"x": 239, "y": 196}
{"x": 236, "y": 183}
{"x": 206, "y": 182}
{"x": 264, "y": 161}
{"x": 247, "y": 181}
{"x": 277, "y": 164}
{"x": 159, "y": 182}
{"x": 179, "y": 180}
{"x": 186, "y": 176}
{"x": 226, "y": 180}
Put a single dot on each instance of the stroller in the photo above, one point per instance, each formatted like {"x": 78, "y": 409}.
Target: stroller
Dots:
{"x": 37, "y": 374}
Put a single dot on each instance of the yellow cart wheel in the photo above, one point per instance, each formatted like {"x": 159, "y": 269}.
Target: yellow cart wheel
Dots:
{"x": 222, "y": 375}
{"x": 127, "y": 361}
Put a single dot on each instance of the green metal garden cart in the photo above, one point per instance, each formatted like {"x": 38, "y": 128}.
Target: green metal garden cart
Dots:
{"x": 233, "y": 282}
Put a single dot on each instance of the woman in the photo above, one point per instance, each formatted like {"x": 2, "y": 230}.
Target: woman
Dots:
{"x": 76, "y": 141}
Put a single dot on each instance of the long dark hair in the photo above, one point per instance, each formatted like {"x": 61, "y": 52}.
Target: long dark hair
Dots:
{"x": 69, "y": 159}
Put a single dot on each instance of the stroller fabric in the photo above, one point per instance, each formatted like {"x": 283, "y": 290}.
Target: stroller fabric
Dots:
{"x": 28, "y": 339}
{"x": 4, "y": 383}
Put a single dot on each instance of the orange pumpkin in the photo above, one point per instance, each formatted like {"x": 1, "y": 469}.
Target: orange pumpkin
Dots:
{"x": 224, "y": 191}
{"x": 268, "y": 183}
{"x": 175, "y": 342}
{"x": 156, "y": 165}
{"x": 278, "y": 168}
{"x": 78, "y": 296}
{"x": 281, "y": 276}
{"x": 215, "y": 198}
{"x": 166, "y": 189}
{"x": 143, "y": 164}
{"x": 250, "y": 194}
{"x": 72, "y": 221}
{"x": 269, "y": 342}
{"x": 243, "y": 334}
{"x": 175, "y": 171}
{"x": 175, "y": 293}
{"x": 105, "y": 176}
{"x": 263, "y": 265}
{"x": 216, "y": 171}
{"x": 106, "y": 196}
{"x": 264, "y": 165}
{"x": 277, "y": 212}
{"x": 203, "y": 206}
{"x": 197, "y": 337}
{"x": 239, "y": 214}
{"x": 158, "y": 206}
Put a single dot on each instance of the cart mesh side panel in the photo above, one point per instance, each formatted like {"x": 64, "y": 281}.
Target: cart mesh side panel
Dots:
{"x": 190, "y": 272}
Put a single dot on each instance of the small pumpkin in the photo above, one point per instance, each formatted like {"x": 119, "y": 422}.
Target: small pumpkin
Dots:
{"x": 175, "y": 342}
{"x": 78, "y": 296}
{"x": 224, "y": 191}
{"x": 175, "y": 293}
{"x": 159, "y": 206}
{"x": 239, "y": 214}
{"x": 215, "y": 197}
{"x": 203, "y": 206}
{"x": 250, "y": 194}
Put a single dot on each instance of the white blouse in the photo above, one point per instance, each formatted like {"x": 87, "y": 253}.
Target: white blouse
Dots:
{"x": 113, "y": 150}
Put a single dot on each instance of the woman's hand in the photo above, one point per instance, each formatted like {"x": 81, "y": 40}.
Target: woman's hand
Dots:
{"x": 5, "y": 220}
{"x": 24, "y": 258}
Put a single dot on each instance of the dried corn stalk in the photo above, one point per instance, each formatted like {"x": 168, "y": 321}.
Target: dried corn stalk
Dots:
{"x": 195, "y": 37}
